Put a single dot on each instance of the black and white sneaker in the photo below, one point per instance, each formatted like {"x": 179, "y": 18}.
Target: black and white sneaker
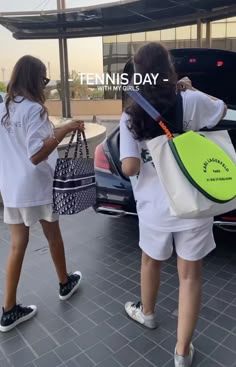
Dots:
{"x": 16, "y": 316}
{"x": 69, "y": 288}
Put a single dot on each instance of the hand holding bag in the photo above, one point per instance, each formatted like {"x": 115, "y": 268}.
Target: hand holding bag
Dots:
{"x": 197, "y": 169}
{"x": 74, "y": 187}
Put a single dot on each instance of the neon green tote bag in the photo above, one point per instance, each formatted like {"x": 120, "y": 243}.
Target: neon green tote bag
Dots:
{"x": 206, "y": 165}
{"x": 197, "y": 170}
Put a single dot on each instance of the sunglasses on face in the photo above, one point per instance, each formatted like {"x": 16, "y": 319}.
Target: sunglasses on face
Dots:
{"x": 46, "y": 81}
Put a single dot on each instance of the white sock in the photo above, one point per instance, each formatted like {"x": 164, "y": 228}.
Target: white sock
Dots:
{"x": 148, "y": 317}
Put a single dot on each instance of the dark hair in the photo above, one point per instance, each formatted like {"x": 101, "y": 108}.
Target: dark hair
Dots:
{"x": 153, "y": 58}
{"x": 28, "y": 81}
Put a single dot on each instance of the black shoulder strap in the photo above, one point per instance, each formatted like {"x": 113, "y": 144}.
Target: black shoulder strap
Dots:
{"x": 176, "y": 127}
{"x": 179, "y": 113}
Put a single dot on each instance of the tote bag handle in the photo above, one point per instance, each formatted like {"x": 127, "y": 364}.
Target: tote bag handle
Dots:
{"x": 78, "y": 145}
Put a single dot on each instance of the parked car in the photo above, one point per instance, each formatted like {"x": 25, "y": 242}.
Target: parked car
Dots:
{"x": 212, "y": 71}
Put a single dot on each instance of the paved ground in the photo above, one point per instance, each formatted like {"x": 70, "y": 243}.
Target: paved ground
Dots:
{"x": 92, "y": 329}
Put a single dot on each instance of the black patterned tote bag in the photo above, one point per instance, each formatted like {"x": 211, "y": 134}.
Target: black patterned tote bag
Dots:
{"x": 74, "y": 187}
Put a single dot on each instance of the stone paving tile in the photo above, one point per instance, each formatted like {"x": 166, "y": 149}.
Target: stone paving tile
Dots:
{"x": 22, "y": 357}
{"x": 131, "y": 331}
{"x": 230, "y": 342}
{"x": 44, "y": 346}
{"x": 99, "y": 352}
{"x": 49, "y": 359}
{"x": 142, "y": 344}
{"x": 67, "y": 351}
{"x": 91, "y": 329}
{"x": 110, "y": 362}
{"x": 81, "y": 360}
{"x": 215, "y": 333}
{"x": 64, "y": 335}
{"x": 224, "y": 356}
{"x": 14, "y": 344}
{"x": 207, "y": 362}
{"x": 127, "y": 356}
{"x": 158, "y": 356}
{"x": 115, "y": 342}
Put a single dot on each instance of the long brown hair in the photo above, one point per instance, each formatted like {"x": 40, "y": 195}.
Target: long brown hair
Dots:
{"x": 27, "y": 81}
{"x": 153, "y": 58}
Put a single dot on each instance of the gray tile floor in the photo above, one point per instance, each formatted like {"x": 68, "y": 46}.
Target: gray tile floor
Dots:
{"x": 91, "y": 329}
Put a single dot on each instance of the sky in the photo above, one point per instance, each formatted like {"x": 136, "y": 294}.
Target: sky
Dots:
{"x": 85, "y": 55}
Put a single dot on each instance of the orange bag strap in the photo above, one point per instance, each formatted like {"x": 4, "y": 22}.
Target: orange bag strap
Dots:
{"x": 150, "y": 110}
{"x": 165, "y": 129}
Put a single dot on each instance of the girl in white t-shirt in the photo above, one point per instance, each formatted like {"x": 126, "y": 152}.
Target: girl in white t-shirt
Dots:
{"x": 193, "y": 238}
{"x": 27, "y": 160}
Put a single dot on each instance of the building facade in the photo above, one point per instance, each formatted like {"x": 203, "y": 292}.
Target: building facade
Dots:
{"x": 118, "y": 49}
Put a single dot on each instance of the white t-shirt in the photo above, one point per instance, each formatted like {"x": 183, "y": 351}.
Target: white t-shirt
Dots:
{"x": 23, "y": 184}
{"x": 152, "y": 202}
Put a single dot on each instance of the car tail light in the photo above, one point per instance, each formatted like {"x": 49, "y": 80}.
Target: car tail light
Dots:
{"x": 220, "y": 63}
{"x": 101, "y": 162}
{"x": 232, "y": 219}
{"x": 192, "y": 60}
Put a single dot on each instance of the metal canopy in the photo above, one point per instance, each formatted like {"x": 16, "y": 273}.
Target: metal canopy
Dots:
{"x": 115, "y": 18}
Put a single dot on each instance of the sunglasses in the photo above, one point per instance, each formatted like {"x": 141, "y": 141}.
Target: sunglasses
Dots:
{"x": 46, "y": 81}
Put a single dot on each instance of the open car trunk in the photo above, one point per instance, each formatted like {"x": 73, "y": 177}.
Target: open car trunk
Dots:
{"x": 211, "y": 71}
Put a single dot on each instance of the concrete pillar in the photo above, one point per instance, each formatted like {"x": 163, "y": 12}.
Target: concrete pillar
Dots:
{"x": 67, "y": 83}
{"x": 64, "y": 68}
{"x": 208, "y": 34}
{"x": 199, "y": 33}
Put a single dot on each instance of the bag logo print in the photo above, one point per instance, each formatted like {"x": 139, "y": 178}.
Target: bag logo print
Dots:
{"x": 221, "y": 165}
{"x": 214, "y": 160}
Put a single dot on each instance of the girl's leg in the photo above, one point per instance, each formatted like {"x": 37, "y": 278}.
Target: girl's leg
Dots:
{"x": 143, "y": 312}
{"x": 68, "y": 283}
{"x": 52, "y": 233}
{"x": 150, "y": 282}
{"x": 189, "y": 303}
{"x": 19, "y": 242}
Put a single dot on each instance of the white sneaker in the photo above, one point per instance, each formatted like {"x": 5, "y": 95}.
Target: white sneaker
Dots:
{"x": 181, "y": 361}
{"x": 136, "y": 314}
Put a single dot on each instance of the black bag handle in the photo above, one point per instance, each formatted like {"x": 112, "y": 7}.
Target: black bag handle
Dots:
{"x": 67, "y": 150}
{"x": 176, "y": 128}
{"x": 85, "y": 144}
{"x": 70, "y": 144}
{"x": 78, "y": 145}
{"x": 81, "y": 145}
{"x": 179, "y": 113}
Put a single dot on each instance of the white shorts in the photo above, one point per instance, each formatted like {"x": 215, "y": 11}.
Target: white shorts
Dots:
{"x": 193, "y": 244}
{"x": 29, "y": 216}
